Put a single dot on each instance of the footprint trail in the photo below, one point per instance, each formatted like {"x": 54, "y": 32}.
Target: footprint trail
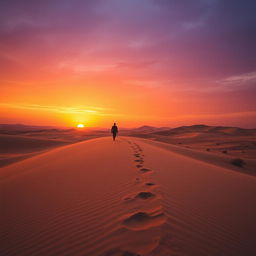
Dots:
{"x": 144, "y": 210}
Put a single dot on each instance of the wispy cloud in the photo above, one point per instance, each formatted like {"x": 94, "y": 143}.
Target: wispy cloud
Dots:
{"x": 238, "y": 81}
{"x": 80, "y": 66}
{"x": 251, "y": 114}
{"x": 61, "y": 109}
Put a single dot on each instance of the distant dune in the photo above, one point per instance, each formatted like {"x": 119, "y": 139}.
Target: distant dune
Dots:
{"x": 208, "y": 129}
{"x": 18, "y": 142}
{"x": 24, "y": 144}
{"x": 146, "y": 130}
{"x": 125, "y": 198}
{"x": 15, "y": 148}
{"x": 216, "y": 144}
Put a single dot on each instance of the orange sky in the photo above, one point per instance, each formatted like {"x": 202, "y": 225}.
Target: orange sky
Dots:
{"x": 96, "y": 62}
{"x": 100, "y": 104}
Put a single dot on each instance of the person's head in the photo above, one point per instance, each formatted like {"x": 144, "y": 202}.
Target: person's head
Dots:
{"x": 114, "y": 124}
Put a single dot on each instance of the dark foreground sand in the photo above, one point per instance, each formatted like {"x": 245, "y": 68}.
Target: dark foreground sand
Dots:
{"x": 131, "y": 197}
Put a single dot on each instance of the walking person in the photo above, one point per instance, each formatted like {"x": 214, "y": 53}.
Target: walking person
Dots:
{"x": 114, "y": 131}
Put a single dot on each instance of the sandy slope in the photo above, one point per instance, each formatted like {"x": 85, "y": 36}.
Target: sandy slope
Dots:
{"x": 223, "y": 160}
{"x": 14, "y": 148}
{"x": 131, "y": 197}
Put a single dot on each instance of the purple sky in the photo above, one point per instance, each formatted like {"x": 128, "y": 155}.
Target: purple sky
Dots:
{"x": 203, "y": 50}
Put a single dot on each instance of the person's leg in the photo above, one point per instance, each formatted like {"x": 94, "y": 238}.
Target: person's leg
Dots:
{"x": 114, "y": 136}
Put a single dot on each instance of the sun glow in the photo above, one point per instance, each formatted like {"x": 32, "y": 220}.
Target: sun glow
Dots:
{"x": 80, "y": 126}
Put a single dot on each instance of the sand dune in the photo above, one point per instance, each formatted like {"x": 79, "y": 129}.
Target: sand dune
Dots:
{"x": 15, "y": 147}
{"x": 18, "y": 142}
{"x": 131, "y": 197}
{"x": 222, "y": 144}
{"x": 12, "y": 144}
{"x": 223, "y": 160}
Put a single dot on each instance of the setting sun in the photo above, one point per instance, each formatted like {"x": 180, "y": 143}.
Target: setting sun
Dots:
{"x": 80, "y": 126}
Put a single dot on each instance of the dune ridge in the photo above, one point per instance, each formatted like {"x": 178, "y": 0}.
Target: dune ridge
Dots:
{"x": 72, "y": 201}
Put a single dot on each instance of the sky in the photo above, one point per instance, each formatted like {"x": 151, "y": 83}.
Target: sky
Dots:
{"x": 135, "y": 62}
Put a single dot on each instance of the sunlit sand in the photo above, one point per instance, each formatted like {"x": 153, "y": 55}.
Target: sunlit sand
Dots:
{"x": 134, "y": 196}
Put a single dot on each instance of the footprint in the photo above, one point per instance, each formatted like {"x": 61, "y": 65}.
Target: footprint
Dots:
{"x": 143, "y": 221}
{"x": 139, "y": 161}
{"x": 120, "y": 252}
{"x": 144, "y": 170}
{"x": 139, "y": 165}
{"x": 144, "y": 195}
{"x": 137, "y": 155}
{"x": 150, "y": 184}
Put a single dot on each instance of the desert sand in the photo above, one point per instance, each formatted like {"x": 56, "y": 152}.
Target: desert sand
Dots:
{"x": 18, "y": 142}
{"x": 14, "y": 148}
{"x": 129, "y": 197}
{"x": 219, "y": 145}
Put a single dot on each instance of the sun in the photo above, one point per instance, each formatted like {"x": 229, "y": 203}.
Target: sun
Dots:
{"x": 80, "y": 126}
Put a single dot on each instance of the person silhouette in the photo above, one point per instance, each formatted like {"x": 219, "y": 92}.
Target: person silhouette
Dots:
{"x": 114, "y": 131}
